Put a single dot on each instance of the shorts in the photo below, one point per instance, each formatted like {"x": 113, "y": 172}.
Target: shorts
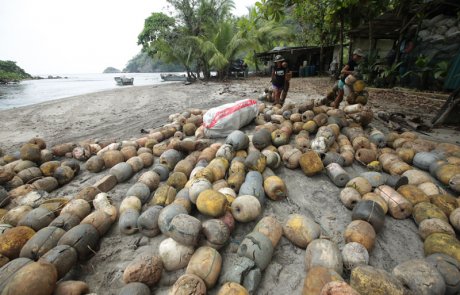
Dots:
{"x": 341, "y": 84}
{"x": 277, "y": 87}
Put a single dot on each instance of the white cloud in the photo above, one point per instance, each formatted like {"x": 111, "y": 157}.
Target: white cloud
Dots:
{"x": 70, "y": 36}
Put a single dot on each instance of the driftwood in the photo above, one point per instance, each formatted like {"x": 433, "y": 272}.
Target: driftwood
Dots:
{"x": 448, "y": 114}
{"x": 399, "y": 121}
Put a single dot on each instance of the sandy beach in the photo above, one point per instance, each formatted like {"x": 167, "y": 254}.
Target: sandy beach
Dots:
{"x": 121, "y": 114}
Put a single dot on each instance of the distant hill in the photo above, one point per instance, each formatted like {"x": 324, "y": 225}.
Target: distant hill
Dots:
{"x": 142, "y": 63}
{"x": 111, "y": 70}
{"x": 10, "y": 72}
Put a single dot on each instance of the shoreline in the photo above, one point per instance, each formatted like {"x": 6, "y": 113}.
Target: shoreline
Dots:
{"x": 55, "y": 100}
{"x": 116, "y": 113}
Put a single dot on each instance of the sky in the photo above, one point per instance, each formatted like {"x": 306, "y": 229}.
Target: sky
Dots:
{"x": 52, "y": 37}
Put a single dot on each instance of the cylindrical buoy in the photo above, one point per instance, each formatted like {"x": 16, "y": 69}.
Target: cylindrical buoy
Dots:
{"x": 84, "y": 238}
{"x": 100, "y": 220}
{"x": 63, "y": 257}
{"x": 122, "y": 171}
{"x": 426, "y": 210}
{"x": 361, "y": 184}
{"x": 257, "y": 247}
{"x": 395, "y": 181}
{"x": 420, "y": 277}
{"x": 371, "y": 212}
{"x": 322, "y": 252}
{"x": 413, "y": 194}
{"x": 365, "y": 155}
{"x": 205, "y": 263}
{"x": 399, "y": 207}
{"x": 253, "y": 185}
{"x": 350, "y": 197}
{"x": 145, "y": 269}
{"x": 185, "y": 229}
{"x": 449, "y": 268}
{"x": 37, "y": 219}
{"x": 217, "y": 233}
{"x": 442, "y": 243}
{"x": 423, "y": 160}
{"x": 311, "y": 163}
{"x": 337, "y": 174}
{"x": 375, "y": 178}
{"x": 301, "y": 230}
{"x": 270, "y": 227}
{"x": 164, "y": 195}
{"x": 416, "y": 177}
{"x": 211, "y": 203}
{"x": 43, "y": 241}
{"x": 183, "y": 285}
{"x": 128, "y": 221}
{"x": 369, "y": 280}
{"x": 174, "y": 255}
{"x": 317, "y": 277}
{"x": 434, "y": 225}
{"x": 246, "y": 208}
{"x": 354, "y": 254}
{"x": 139, "y": 190}
{"x": 275, "y": 188}
{"x": 361, "y": 232}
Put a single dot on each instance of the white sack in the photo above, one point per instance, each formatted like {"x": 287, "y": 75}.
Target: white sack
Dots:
{"x": 222, "y": 120}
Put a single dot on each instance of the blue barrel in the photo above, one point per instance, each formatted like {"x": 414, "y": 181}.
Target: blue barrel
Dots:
{"x": 305, "y": 71}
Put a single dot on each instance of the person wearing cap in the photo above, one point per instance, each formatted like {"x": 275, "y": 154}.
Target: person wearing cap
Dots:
{"x": 279, "y": 78}
{"x": 348, "y": 69}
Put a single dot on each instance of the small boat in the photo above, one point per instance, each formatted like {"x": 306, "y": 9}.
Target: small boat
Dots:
{"x": 174, "y": 77}
{"x": 124, "y": 80}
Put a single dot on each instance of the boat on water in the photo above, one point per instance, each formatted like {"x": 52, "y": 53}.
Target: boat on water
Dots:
{"x": 123, "y": 80}
{"x": 174, "y": 77}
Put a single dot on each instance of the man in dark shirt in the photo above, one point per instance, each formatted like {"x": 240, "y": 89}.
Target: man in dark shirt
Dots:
{"x": 286, "y": 82}
{"x": 279, "y": 76}
{"x": 348, "y": 69}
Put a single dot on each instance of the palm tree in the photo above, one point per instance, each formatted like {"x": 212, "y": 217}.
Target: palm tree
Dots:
{"x": 261, "y": 34}
{"x": 219, "y": 49}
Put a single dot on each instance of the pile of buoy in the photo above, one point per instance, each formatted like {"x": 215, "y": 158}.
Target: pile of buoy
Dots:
{"x": 195, "y": 191}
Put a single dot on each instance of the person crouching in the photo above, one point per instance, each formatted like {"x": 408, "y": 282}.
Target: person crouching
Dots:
{"x": 348, "y": 69}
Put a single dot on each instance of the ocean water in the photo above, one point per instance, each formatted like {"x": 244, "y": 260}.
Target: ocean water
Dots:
{"x": 35, "y": 91}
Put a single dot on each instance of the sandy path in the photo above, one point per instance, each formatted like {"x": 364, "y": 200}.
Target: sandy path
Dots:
{"x": 122, "y": 113}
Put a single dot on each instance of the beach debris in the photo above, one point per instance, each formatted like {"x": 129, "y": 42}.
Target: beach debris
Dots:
{"x": 198, "y": 193}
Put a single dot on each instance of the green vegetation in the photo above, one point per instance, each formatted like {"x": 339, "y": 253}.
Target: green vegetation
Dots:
{"x": 143, "y": 63}
{"x": 202, "y": 35}
{"x": 10, "y": 72}
{"x": 328, "y": 22}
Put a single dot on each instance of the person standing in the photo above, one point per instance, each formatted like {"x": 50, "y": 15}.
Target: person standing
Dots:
{"x": 286, "y": 82}
{"x": 348, "y": 69}
{"x": 279, "y": 77}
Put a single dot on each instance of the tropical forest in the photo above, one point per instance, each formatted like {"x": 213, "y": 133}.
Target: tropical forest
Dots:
{"x": 407, "y": 42}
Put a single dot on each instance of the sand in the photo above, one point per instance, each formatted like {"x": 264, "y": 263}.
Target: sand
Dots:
{"x": 122, "y": 113}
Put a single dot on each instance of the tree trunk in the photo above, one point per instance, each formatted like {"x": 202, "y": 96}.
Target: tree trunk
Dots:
{"x": 321, "y": 57}
{"x": 370, "y": 35}
{"x": 341, "y": 41}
